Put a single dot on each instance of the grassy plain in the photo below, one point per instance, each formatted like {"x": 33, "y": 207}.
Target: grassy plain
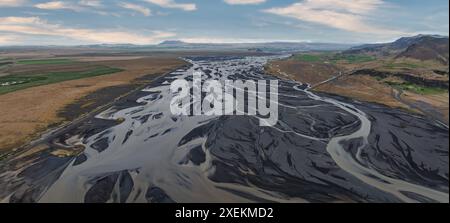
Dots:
{"x": 329, "y": 57}
{"x": 45, "y": 62}
{"x": 13, "y": 83}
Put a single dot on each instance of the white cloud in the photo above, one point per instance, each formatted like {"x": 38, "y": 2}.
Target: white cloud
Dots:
{"x": 347, "y": 15}
{"x": 12, "y": 3}
{"x": 174, "y": 5}
{"x": 91, "y": 3}
{"x": 82, "y": 5}
{"x": 244, "y": 2}
{"x": 56, "y": 5}
{"x": 137, "y": 8}
{"x": 36, "y": 26}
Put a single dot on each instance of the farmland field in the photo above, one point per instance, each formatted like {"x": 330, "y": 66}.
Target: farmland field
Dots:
{"x": 308, "y": 58}
{"x": 333, "y": 58}
{"x": 45, "y": 62}
{"x": 18, "y": 82}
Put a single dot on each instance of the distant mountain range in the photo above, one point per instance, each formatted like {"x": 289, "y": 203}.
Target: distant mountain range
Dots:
{"x": 421, "y": 47}
{"x": 262, "y": 47}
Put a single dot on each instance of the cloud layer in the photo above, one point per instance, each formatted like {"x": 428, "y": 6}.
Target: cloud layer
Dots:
{"x": 9, "y": 39}
{"x": 349, "y": 15}
{"x": 100, "y": 21}
{"x": 37, "y": 26}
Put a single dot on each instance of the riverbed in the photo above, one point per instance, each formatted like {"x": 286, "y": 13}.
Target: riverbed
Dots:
{"x": 324, "y": 148}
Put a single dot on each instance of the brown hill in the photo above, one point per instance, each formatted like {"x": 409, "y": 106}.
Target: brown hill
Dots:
{"x": 421, "y": 47}
{"x": 428, "y": 48}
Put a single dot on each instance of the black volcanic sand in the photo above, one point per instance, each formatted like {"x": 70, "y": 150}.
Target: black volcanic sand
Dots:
{"x": 401, "y": 145}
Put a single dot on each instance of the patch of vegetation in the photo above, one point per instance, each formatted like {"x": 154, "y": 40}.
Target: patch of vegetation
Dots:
{"x": 351, "y": 58}
{"x": 406, "y": 86}
{"x": 18, "y": 82}
{"x": 402, "y": 65}
{"x": 379, "y": 78}
{"x": 45, "y": 62}
{"x": 334, "y": 58}
{"x": 308, "y": 57}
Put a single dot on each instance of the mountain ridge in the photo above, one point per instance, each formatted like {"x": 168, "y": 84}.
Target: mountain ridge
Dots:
{"x": 420, "y": 47}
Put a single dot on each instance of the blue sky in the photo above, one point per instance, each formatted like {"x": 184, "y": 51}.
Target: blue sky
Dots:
{"x": 43, "y": 22}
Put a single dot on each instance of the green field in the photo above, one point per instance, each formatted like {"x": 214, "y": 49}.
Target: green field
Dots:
{"x": 45, "y": 62}
{"x": 417, "y": 88}
{"x": 18, "y": 82}
{"x": 308, "y": 57}
{"x": 403, "y": 65}
{"x": 333, "y": 58}
{"x": 351, "y": 58}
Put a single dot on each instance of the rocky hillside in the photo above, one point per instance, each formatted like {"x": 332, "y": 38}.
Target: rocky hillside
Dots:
{"x": 428, "y": 48}
{"x": 421, "y": 47}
